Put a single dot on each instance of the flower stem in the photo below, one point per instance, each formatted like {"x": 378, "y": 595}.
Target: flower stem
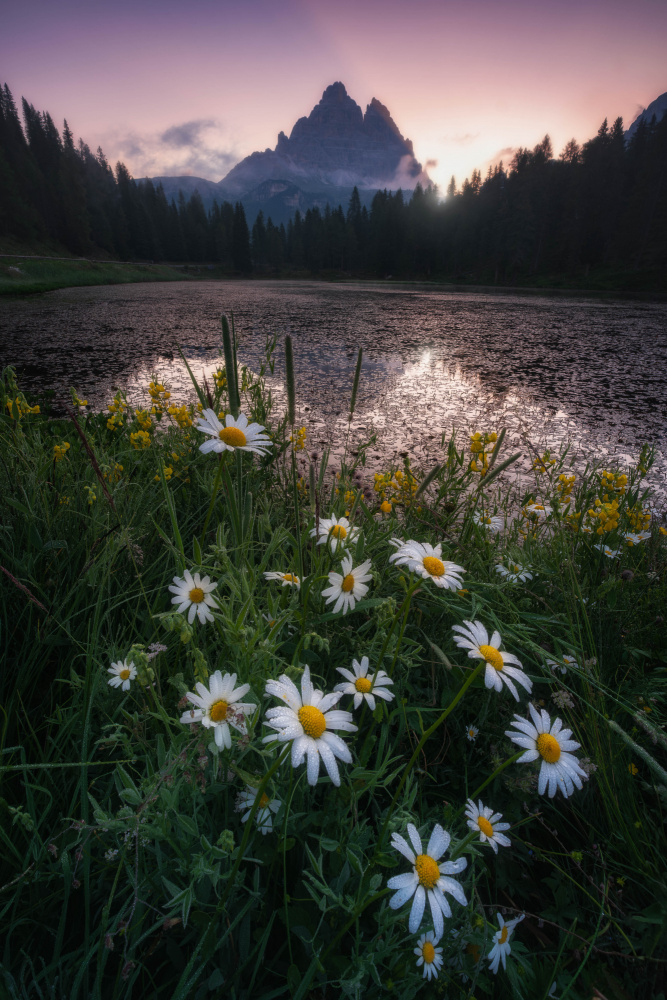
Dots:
{"x": 216, "y": 486}
{"x": 429, "y": 732}
{"x": 248, "y": 826}
{"x": 488, "y": 781}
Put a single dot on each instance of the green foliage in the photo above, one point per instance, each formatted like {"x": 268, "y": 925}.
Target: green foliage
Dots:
{"x": 125, "y": 859}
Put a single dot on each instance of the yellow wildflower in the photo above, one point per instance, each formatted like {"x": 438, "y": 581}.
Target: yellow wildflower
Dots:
{"x": 300, "y": 442}
{"x": 112, "y": 475}
{"x": 60, "y": 451}
{"x": 140, "y": 440}
{"x": 181, "y": 415}
{"x": 143, "y": 418}
{"x": 92, "y": 495}
{"x": 20, "y": 407}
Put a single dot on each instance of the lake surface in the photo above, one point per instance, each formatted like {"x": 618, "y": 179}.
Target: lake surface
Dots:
{"x": 550, "y": 369}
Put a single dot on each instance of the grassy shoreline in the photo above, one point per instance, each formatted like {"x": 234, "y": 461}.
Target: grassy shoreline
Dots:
{"x": 21, "y": 276}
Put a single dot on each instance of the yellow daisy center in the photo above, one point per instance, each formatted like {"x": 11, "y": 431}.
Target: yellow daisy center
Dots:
{"x": 312, "y": 720}
{"x": 548, "y": 747}
{"x": 348, "y": 584}
{"x": 492, "y": 656}
{"x": 232, "y": 436}
{"x": 427, "y": 870}
{"x": 338, "y": 531}
{"x": 264, "y": 801}
{"x": 196, "y": 595}
{"x": 218, "y": 711}
{"x": 362, "y": 684}
{"x": 433, "y": 566}
{"x": 290, "y": 578}
{"x": 124, "y": 674}
{"x": 485, "y": 826}
{"x": 503, "y": 935}
{"x": 428, "y": 952}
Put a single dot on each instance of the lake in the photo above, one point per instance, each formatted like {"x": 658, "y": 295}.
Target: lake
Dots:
{"x": 550, "y": 368}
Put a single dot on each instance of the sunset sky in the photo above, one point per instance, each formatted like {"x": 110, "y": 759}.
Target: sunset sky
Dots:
{"x": 191, "y": 88}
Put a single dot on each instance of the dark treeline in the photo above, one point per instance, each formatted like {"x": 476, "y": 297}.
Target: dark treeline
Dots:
{"x": 597, "y": 209}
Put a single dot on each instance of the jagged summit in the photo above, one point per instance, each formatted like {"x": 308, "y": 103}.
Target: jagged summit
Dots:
{"x": 336, "y": 145}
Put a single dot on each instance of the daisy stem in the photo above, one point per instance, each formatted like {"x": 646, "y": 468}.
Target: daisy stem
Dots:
{"x": 460, "y": 848}
{"x": 498, "y": 770}
{"x": 406, "y": 604}
{"x": 249, "y": 824}
{"x": 216, "y": 487}
{"x": 429, "y": 732}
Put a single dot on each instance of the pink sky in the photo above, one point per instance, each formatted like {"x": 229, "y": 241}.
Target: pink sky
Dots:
{"x": 175, "y": 88}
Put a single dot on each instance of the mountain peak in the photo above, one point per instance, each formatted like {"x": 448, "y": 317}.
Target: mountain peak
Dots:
{"x": 335, "y": 92}
{"x": 335, "y": 146}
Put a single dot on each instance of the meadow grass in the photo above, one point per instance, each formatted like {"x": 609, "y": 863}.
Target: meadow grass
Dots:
{"x": 145, "y": 854}
{"x": 26, "y": 277}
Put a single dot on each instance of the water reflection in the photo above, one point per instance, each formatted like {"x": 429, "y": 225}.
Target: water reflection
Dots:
{"x": 551, "y": 370}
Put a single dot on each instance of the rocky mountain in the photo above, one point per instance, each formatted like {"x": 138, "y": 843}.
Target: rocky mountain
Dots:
{"x": 329, "y": 152}
{"x": 658, "y": 107}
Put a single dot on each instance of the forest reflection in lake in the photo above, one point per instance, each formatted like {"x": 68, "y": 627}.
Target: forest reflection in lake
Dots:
{"x": 550, "y": 369}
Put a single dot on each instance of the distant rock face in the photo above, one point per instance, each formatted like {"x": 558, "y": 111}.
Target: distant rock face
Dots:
{"x": 335, "y": 146}
{"x": 658, "y": 107}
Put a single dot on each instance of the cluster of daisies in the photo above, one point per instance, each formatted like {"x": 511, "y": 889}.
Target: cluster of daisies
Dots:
{"x": 311, "y": 723}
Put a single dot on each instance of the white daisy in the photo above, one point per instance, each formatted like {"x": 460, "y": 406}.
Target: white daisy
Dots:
{"x": 608, "y": 551}
{"x": 427, "y": 878}
{"x": 514, "y": 573}
{"x": 537, "y": 510}
{"x": 219, "y": 707}
{"x": 484, "y": 821}
{"x": 427, "y": 562}
{"x": 287, "y": 579}
{"x": 336, "y": 531}
{"x": 263, "y": 818}
{"x": 348, "y": 587}
{"x": 195, "y": 593}
{"x": 560, "y": 769}
{"x": 235, "y": 433}
{"x": 123, "y": 672}
{"x": 475, "y": 638}
{"x": 362, "y": 686}
{"x": 564, "y": 664}
{"x": 308, "y": 720}
{"x": 635, "y": 537}
{"x": 493, "y": 522}
{"x": 472, "y": 733}
{"x": 501, "y": 946}
{"x": 428, "y": 955}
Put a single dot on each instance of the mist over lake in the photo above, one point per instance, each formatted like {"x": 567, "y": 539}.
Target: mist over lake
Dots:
{"x": 551, "y": 369}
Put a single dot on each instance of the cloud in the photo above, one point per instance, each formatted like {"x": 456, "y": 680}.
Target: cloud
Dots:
{"x": 188, "y": 134}
{"x": 462, "y": 139}
{"x": 198, "y": 148}
{"x": 504, "y": 154}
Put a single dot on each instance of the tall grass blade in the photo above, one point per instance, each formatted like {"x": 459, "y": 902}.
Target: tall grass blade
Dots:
{"x": 355, "y": 384}
{"x": 490, "y": 476}
{"x": 230, "y": 368}
{"x": 289, "y": 381}
{"x": 425, "y": 483}
{"x": 496, "y": 449}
